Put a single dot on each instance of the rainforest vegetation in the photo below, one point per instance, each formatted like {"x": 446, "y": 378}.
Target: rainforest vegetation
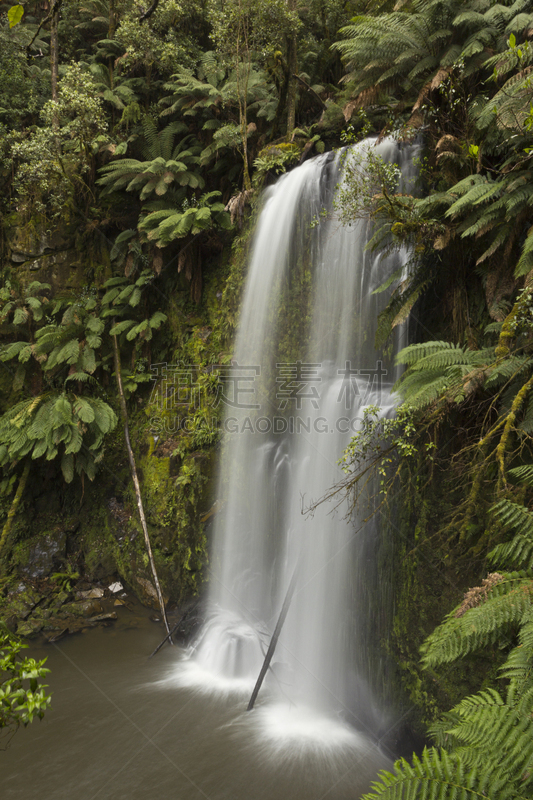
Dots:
{"x": 134, "y": 142}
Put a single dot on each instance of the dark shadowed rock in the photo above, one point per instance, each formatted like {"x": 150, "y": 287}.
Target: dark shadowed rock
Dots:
{"x": 45, "y": 554}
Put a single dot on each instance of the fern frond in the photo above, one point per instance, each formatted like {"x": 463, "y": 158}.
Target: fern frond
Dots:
{"x": 436, "y": 775}
{"x": 506, "y": 369}
{"x": 519, "y": 551}
{"x": 507, "y": 603}
{"x": 498, "y": 730}
{"x": 523, "y": 473}
{"x": 409, "y": 355}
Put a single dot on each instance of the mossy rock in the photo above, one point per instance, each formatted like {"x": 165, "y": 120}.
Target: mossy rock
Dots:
{"x": 332, "y": 121}
{"x": 274, "y": 151}
{"x": 30, "y": 628}
{"x": 84, "y": 608}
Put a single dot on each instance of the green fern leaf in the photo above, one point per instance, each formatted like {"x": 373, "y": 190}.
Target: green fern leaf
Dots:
{"x": 67, "y": 467}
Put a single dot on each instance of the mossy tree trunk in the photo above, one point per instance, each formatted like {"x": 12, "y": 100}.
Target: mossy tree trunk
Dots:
{"x": 14, "y": 506}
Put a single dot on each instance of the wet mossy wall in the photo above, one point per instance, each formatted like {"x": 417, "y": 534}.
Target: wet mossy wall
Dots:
{"x": 93, "y": 527}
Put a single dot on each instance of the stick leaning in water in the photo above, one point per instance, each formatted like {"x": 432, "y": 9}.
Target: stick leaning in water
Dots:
{"x": 174, "y": 629}
{"x": 274, "y": 640}
{"x": 136, "y": 484}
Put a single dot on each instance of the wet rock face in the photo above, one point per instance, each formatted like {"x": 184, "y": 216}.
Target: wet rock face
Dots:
{"x": 148, "y": 592}
{"x": 22, "y": 602}
{"x": 45, "y": 555}
{"x": 30, "y": 628}
{"x": 47, "y": 256}
{"x": 41, "y": 607}
{"x": 85, "y": 608}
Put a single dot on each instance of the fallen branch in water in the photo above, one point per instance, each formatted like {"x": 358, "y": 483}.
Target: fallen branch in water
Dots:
{"x": 275, "y": 637}
{"x": 136, "y": 484}
{"x": 175, "y": 628}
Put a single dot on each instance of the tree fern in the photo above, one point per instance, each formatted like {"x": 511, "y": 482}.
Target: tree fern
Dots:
{"x": 165, "y": 226}
{"x": 57, "y": 423}
{"x": 524, "y": 474}
{"x": 443, "y": 373}
{"x": 408, "y": 48}
{"x": 510, "y": 367}
{"x": 505, "y": 604}
{"x": 437, "y": 774}
{"x": 487, "y": 737}
{"x": 166, "y": 163}
{"x": 520, "y": 549}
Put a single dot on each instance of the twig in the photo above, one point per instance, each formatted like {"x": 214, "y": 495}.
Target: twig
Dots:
{"x": 43, "y": 22}
{"x": 54, "y": 8}
{"x": 174, "y": 629}
{"x": 310, "y": 89}
{"x": 149, "y": 12}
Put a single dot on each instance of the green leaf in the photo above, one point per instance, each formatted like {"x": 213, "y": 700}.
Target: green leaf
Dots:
{"x": 63, "y": 409}
{"x": 12, "y": 350}
{"x": 87, "y": 360}
{"x": 67, "y": 467}
{"x": 135, "y": 298}
{"x": 157, "y": 319}
{"x": 20, "y": 316}
{"x": 94, "y": 341}
{"x": 138, "y": 329}
{"x": 116, "y": 281}
{"x": 94, "y": 325}
{"x": 15, "y": 14}
{"x": 84, "y": 410}
{"x": 69, "y": 352}
{"x": 39, "y": 448}
{"x": 110, "y": 295}
{"x": 120, "y": 327}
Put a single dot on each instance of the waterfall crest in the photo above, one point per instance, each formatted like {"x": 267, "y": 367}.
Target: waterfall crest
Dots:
{"x": 305, "y": 367}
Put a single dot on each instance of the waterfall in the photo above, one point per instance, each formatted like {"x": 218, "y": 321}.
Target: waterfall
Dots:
{"x": 305, "y": 366}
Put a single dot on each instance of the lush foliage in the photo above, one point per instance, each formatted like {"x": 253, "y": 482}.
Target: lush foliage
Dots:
{"x": 137, "y": 132}
{"x": 145, "y": 136}
{"x": 22, "y": 695}
{"x": 461, "y": 73}
{"x": 485, "y": 743}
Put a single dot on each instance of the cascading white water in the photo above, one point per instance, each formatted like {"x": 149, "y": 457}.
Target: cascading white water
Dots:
{"x": 290, "y": 420}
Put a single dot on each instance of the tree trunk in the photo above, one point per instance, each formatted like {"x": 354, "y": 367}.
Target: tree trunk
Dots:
{"x": 54, "y": 46}
{"x": 247, "y": 183}
{"x": 110, "y": 35}
{"x": 136, "y": 484}
{"x": 292, "y": 67}
{"x": 169, "y": 636}
{"x": 149, "y": 12}
{"x": 291, "y": 89}
{"x": 54, "y": 62}
{"x": 112, "y": 20}
{"x": 15, "y": 505}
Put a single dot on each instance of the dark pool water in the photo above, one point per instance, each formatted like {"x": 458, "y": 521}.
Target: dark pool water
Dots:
{"x": 127, "y": 727}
